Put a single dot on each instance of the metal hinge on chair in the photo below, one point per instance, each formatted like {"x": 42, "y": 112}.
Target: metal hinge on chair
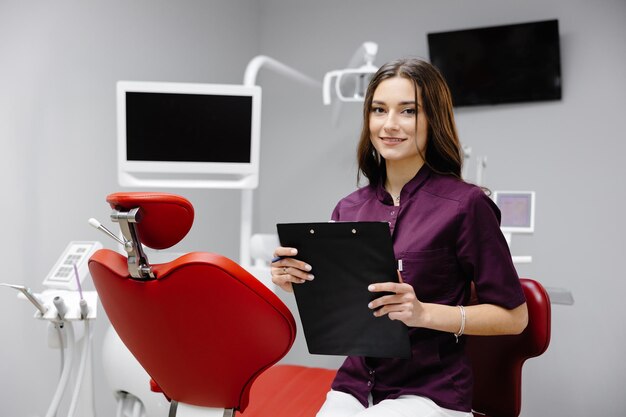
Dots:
{"x": 138, "y": 265}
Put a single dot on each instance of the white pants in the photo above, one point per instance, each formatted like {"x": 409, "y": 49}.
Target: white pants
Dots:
{"x": 340, "y": 404}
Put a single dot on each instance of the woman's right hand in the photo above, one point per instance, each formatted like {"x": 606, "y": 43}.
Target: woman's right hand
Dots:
{"x": 288, "y": 270}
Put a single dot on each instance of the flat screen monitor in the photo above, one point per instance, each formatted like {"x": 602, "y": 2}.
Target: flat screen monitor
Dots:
{"x": 517, "y": 209}
{"x": 500, "y": 64}
{"x": 188, "y": 135}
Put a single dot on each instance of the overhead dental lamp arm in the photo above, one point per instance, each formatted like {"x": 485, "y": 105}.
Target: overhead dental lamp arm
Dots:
{"x": 366, "y": 52}
{"x": 247, "y": 200}
{"x": 259, "y": 61}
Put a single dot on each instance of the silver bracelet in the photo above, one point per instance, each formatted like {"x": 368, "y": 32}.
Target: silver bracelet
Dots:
{"x": 462, "y": 329}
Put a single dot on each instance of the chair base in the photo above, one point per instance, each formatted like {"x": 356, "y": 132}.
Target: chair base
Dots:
{"x": 185, "y": 410}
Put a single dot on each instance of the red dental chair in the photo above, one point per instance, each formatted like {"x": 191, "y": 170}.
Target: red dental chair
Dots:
{"x": 225, "y": 364}
{"x": 497, "y": 360}
{"x": 206, "y": 369}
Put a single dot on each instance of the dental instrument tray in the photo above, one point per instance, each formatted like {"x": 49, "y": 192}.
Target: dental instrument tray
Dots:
{"x": 346, "y": 257}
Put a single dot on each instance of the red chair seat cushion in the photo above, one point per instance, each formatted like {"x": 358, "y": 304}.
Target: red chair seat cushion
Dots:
{"x": 289, "y": 391}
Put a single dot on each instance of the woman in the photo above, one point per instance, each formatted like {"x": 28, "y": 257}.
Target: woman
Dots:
{"x": 446, "y": 235}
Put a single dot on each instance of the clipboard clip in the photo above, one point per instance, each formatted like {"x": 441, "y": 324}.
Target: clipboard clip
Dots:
{"x": 312, "y": 231}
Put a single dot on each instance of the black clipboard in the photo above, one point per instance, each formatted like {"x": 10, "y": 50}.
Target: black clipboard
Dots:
{"x": 346, "y": 257}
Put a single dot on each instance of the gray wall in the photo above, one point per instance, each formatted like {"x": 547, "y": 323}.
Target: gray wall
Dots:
{"x": 58, "y": 65}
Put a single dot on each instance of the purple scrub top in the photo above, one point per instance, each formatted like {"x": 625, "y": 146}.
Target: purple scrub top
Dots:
{"x": 446, "y": 233}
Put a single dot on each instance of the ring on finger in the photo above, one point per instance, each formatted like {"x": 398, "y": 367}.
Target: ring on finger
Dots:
{"x": 284, "y": 269}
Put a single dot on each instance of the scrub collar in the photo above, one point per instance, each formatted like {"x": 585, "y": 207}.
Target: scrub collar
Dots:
{"x": 409, "y": 189}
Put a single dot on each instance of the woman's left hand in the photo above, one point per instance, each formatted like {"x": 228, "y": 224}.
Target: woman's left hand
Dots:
{"x": 403, "y": 305}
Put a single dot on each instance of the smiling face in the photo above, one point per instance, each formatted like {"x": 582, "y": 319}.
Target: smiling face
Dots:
{"x": 392, "y": 123}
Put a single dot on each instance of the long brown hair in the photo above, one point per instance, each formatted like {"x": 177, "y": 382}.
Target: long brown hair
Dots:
{"x": 443, "y": 149}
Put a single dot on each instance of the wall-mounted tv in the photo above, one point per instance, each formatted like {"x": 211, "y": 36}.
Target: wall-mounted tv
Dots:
{"x": 500, "y": 64}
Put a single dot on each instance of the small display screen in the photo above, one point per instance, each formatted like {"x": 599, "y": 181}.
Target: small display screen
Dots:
{"x": 171, "y": 127}
{"x": 516, "y": 209}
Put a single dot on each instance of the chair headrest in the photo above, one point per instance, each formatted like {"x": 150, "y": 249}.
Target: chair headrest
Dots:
{"x": 165, "y": 218}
